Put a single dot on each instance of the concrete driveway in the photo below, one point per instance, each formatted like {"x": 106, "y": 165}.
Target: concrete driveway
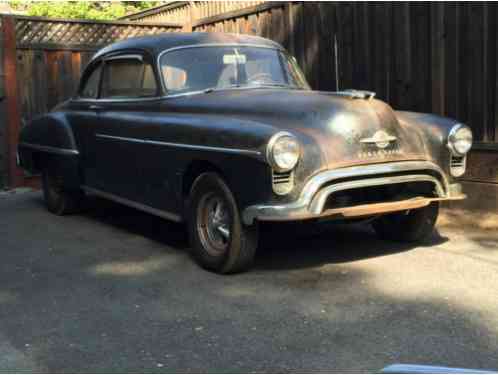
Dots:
{"x": 114, "y": 290}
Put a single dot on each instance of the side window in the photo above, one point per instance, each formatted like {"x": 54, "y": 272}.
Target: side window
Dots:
{"x": 90, "y": 88}
{"x": 128, "y": 78}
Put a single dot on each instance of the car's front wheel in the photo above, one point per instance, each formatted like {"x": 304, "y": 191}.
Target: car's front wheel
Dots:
{"x": 408, "y": 226}
{"x": 219, "y": 241}
{"x": 58, "y": 199}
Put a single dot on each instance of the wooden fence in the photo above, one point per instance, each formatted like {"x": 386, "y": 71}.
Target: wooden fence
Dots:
{"x": 428, "y": 57}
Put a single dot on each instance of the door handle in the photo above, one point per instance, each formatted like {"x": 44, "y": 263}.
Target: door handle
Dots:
{"x": 94, "y": 107}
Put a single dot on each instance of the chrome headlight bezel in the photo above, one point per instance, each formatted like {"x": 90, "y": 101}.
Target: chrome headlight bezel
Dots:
{"x": 454, "y": 137}
{"x": 273, "y": 159}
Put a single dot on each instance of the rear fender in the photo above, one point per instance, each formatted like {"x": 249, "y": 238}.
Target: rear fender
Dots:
{"x": 48, "y": 140}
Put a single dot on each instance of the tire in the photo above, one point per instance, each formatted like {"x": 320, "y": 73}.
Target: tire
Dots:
{"x": 408, "y": 226}
{"x": 219, "y": 241}
{"x": 59, "y": 200}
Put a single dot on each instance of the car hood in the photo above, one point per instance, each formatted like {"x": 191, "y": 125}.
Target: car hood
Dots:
{"x": 336, "y": 130}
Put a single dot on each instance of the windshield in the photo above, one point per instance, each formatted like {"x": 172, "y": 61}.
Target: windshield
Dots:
{"x": 219, "y": 67}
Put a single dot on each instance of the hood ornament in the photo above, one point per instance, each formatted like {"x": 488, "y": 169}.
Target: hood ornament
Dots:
{"x": 356, "y": 94}
{"x": 381, "y": 139}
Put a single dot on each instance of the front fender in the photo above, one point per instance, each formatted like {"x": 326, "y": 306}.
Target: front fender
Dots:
{"x": 434, "y": 130}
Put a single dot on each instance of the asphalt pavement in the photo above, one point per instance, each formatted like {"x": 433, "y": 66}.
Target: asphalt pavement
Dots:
{"x": 114, "y": 290}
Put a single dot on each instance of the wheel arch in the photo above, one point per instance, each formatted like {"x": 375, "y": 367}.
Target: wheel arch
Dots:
{"x": 194, "y": 170}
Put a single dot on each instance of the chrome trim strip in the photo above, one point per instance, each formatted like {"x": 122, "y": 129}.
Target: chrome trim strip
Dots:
{"x": 133, "y": 204}
{"x": 182, "y": 145}
{"x": 126, "y": 139}
{"x": 300, "y": 208}
{"x": 318, "y": 202}
{"x": 53, "y": 150}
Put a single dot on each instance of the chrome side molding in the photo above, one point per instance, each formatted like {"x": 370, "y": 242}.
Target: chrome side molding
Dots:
{"x": 50, "y": 149}
{"x": 182, "y": 145}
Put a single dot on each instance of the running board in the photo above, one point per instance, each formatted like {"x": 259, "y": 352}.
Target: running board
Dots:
{"x": 133, "y": 204}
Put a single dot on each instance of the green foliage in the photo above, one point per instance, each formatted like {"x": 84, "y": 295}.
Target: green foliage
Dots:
{"x": 95, "y": 10}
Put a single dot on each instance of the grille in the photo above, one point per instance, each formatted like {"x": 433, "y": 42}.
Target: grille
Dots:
{"x": 457, "y": 165}
{"x": 283, "y": 182}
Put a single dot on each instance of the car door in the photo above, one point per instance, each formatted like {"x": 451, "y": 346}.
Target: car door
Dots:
{"x": 126, "y": 92}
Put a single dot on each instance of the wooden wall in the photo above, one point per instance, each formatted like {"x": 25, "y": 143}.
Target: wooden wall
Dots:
{"x": 56, "y": 74}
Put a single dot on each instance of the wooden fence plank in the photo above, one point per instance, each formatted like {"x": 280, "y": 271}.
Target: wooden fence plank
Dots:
{"x": 437, "y": 57}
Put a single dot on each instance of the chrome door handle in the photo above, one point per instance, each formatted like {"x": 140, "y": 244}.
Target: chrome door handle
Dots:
{"x": 94, "y": 107}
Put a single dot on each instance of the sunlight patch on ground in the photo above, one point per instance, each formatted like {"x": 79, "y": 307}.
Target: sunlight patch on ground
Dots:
{"x": 133, "y": 268}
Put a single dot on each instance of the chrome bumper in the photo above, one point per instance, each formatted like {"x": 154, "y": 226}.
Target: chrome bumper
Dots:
{"x": 316, "y": 191}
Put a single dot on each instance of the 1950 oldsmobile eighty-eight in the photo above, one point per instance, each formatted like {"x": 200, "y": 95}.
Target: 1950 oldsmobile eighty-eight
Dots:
{"x": 223, "y": 132}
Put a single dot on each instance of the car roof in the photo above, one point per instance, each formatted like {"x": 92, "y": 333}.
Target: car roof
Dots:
{"x": 157, "y": 43}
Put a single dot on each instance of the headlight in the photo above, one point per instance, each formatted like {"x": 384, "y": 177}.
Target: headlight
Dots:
{"x": 460, "y": 139}
{"x": 283, "y": 151}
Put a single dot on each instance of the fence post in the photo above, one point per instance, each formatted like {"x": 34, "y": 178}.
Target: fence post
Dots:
{"x": 3, "y": 118}
{"x": 12, "y": 115}
{"x": 191, "y": 18}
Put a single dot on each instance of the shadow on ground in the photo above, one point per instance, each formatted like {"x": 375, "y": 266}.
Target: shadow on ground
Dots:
{"x": 114, "y": 290}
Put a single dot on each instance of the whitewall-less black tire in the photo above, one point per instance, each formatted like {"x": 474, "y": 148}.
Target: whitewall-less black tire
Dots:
{"x": 219, "y": 241}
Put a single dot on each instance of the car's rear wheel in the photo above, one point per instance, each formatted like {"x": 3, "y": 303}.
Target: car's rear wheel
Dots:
{"x": 408, "y": 226}
{"x": 58, "y": 199}
{"x": 219, "y": 241}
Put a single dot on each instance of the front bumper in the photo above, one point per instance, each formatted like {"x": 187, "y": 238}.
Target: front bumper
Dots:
{"x": 314, "y": 195}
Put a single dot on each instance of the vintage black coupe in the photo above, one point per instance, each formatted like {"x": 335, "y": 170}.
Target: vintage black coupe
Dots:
{"x": 223, "y": 132}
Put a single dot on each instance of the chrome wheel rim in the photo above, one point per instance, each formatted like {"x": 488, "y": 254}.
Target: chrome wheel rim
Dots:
{"x": 214, "y": 224}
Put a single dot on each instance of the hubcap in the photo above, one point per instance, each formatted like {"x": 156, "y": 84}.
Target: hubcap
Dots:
{"x": 213, "y": 224}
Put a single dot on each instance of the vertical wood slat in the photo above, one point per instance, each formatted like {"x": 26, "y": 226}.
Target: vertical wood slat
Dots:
{"x": 437, "y": 57}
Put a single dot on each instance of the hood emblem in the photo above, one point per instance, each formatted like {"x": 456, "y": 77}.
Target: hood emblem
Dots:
{"x": 381, "y": 139}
